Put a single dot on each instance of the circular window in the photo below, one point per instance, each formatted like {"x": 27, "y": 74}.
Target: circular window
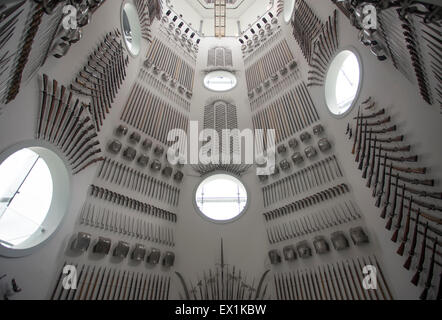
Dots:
{"x": 221, "y": 198}
{"x": 34, "y": 191}
{"x": 220, "y": 81}
{"x": 131, "y": 28}
{"x": 289, "y": 7}
{"x": 343, "y": 82}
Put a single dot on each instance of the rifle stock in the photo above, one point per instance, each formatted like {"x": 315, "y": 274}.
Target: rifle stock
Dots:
{"x": 401, "y": 248}
{"x": 407, "y": 263}
{"x": 430, "y": 274}
{"x": 420, "y": 266}
{"x": 387, "y": 197}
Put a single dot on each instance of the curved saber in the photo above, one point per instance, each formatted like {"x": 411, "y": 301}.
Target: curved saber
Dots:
{"x": 186, "y": 291}
{"x": 258, "y": 291}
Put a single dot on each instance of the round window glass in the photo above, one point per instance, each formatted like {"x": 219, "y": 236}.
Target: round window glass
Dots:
{"x": 221, "y": 198}
{"x": 289, "y": 7}
{"x": 342, "y": 83}
{"x": 130, "y": 25}
{"x": 32, "y": 200}
{"x": 220, "y": 81}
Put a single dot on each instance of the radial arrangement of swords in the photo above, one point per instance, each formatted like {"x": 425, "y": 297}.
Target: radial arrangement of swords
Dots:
{"x": 225, "y": 282}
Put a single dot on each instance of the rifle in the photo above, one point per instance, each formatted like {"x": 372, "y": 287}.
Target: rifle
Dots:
{"x": 429, "y": 280}
{"x": 424, "y": 182}
{"x": 387, "y": 196}
{"x": 393, "y": 207}
{"x": 379, "y": 122}
{"x": 367, "y": 163}
{"x": 390, "y": 140}
{"x": 420, "y": 265}
{"x": 381, "y": 191}
{"x": 356, "y": 133}
{"x": 401, "y": 248}
{"x": 423, "y": 193}
{"x": 406, "y": 148}
{"x": 51, "y": 108}
{"x": 373, "y": 115}
{"x": 407, "y": 263}
{"x": 382, "y": 131}
{"x": 364, "y": 149}
{"x": 399, "y": 219}
{"x": 411, "y": 170}
{"x": 358, "y": 149}
{"x": 43, "y": 105}
{"x": 372, "y": 164}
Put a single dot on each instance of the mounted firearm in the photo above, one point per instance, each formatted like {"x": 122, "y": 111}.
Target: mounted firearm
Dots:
{"x": 420, "y": 265}
{"x": 373, "y": 115}
{"x": 387, "y": 196}
{"x": 400, "y": 217}
{"x": 393, "y": 207}
{"x": 411, "y": 253}
{"x": 364, "y": 149}
{"x": 429, "y": 280}
{"x": 358, "y": 149}
{"x": 356, "y": 132}
{"x": 401, "y": 248}
{"x": 381, "y": 191}
{"x": 367, "y": 162}
{"x": 372, "y": 164}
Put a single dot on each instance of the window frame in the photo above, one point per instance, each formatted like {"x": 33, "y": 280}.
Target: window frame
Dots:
{"x": 293, "y": 8}
{"x": 61, "y": 197}
{"x": 333, "y": 68}
{"x": 221, "y": 73}
{"x": 139, "y": 36}
{"x": 220, "y": 222}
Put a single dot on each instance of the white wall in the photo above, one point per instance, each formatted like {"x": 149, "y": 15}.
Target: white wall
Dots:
{"x": 36, "y": 273}
{"x": 419, "y": 122}
{"x": 199, "y": 239}
{"x": 245, "y": 241}
{"x": 190, "y": 15}
{"x": 251, "y": 14}
{"x": 247, "y": 13}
